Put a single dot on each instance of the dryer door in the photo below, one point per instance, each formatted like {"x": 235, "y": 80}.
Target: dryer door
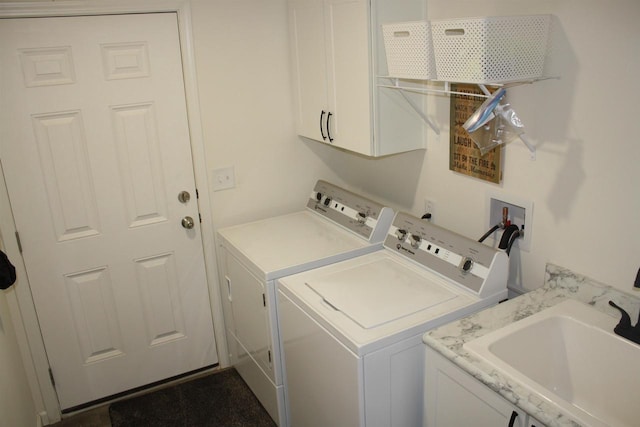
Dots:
{"x": 250, "y": 315}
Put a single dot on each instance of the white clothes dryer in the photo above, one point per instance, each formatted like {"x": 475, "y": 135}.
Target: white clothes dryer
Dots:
{"x": 336, "y": 225}
{"x": 352, "y": 331}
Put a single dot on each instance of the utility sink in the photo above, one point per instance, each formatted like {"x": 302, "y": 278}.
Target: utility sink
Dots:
{"x": 569, "y": 355}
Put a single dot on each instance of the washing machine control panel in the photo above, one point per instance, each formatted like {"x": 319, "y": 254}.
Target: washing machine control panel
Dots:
{"x": 359, "y": 215}
{"x": 473, "y": 265}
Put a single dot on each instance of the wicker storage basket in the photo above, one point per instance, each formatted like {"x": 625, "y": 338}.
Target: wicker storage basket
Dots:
{"x": 409, "y": 50}
{"x": 491, "y": 49}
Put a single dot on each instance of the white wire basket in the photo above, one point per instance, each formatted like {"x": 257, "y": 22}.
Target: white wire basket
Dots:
{"x": 409, "y": 50}
{"x": 491, "y": 49}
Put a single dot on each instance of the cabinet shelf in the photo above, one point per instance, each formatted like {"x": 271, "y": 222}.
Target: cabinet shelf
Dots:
{"x": 447, "y": 86}
{"x": 394, "y": 83}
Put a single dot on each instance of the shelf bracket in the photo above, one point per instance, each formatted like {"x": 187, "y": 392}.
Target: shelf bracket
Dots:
{"x": 446, "y": 90}
{"x": 484, "y": 90}
{"x": 413, "y": 105}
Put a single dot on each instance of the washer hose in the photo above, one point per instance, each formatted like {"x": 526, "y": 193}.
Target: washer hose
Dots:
{"x": 489, "y": 233}
{"x": 513, "y": 238}
{"x": 511, "y": 233}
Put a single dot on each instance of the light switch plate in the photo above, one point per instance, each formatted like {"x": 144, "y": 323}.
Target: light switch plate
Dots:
{"x": 223, "y": 178}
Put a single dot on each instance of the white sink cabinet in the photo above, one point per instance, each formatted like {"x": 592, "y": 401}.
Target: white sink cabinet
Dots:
{"x": 455, "y": 398}
{"x": 337, "y": 50}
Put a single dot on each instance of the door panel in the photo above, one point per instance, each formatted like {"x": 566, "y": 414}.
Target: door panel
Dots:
{"x": 139, "y": 157}
{"x": 64, "y": 161}
{"x": 95, "y": 142}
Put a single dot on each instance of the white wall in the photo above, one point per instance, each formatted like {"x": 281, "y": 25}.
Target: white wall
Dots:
{"x": 585, "y": 182}
{"x": 242, "y": 55}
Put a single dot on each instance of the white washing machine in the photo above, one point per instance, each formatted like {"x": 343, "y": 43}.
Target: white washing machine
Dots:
{"x": 336, "y": 225}
{"x": 352, "y": 331}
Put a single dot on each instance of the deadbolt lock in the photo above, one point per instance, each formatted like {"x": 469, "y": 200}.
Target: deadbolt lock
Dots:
{"x": 184, "y": 196}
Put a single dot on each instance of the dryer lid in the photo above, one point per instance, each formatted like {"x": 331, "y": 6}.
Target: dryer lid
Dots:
{"x": 379, "y": 292}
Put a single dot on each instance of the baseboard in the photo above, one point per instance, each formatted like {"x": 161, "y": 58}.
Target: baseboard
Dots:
{"x": 515, "y": 291}
{"x": 42, "y": 419}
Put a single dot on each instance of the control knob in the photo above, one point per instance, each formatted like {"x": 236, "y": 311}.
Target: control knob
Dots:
{"x": 466, "y": 264}
{"x": 318, "y": 196}
{"x": 361, "y": 217}
{"x": 415, "y": 241}
{"x": 327, "y": 201}
{"x": 401, "y": 234}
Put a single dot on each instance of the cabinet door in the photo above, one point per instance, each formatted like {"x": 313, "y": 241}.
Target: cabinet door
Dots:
{"x": 348, "y": 74}
{"x": 308, "y": 53}
{"x": 250, "y": 317}
{"x": 454, "y": 398}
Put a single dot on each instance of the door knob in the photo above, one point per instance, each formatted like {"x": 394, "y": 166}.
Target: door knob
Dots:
{"x": 187, "y": 222}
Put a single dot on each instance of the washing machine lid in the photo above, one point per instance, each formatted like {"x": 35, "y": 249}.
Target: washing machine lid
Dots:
{"x": 379, "y": 292}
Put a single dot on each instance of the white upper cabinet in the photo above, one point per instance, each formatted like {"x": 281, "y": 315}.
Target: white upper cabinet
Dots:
{"x": 335, "y": 45}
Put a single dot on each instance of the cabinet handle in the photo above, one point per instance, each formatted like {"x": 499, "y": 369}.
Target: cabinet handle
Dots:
{"x": 321, "y": 131}
{"x": 512, "y": 420}
{"x": 329, "y": 126}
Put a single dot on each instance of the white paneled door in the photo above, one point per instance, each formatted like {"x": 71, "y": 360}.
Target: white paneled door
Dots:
{"x": 95, "y": 146}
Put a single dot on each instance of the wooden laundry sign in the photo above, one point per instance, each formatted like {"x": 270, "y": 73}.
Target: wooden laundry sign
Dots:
{"x": 464, "y": 155}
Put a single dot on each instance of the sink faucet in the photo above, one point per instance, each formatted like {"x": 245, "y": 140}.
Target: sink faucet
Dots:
{"x": 624, "y": 328}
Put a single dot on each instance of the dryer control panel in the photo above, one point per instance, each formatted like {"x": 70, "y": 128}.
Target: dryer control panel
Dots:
{"x": 472, "y": 265}
{"x": 357, "y": 214}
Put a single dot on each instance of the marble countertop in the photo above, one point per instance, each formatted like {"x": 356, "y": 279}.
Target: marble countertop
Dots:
{"x": 560, "y": 284}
